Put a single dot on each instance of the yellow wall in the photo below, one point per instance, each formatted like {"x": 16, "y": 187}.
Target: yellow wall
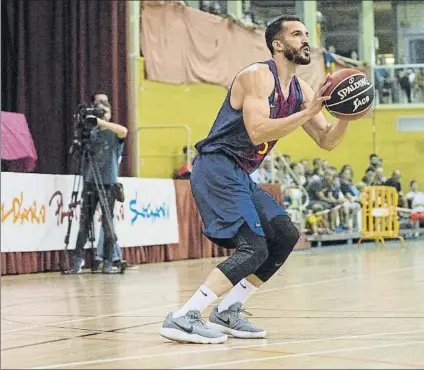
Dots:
{"x": 402, "y": 150}
{"x": 163, "y": 104}
{"x": 198, "y": 105}
{"x": 398, "y": 149}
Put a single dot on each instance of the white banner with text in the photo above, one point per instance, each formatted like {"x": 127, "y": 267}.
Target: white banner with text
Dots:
{"x": 35, "y": 212}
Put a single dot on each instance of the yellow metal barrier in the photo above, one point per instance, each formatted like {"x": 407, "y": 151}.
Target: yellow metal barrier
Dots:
{"x": 379, "y": 214}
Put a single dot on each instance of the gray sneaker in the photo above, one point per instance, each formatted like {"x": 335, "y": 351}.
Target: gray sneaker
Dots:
{"x": 108, "y": 268}
{"x": 77, "y": 264}
{"x": 190, "y": 328}
{"x": 231, "y": 322}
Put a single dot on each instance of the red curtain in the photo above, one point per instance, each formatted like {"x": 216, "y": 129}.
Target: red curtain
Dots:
{"x": 55, "y": 54}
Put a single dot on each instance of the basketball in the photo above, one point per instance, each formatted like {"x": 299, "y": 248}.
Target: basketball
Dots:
{"x": 352, "y": 94}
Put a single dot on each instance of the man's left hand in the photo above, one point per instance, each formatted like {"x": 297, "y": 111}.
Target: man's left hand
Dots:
{"x": 101, "y": 124}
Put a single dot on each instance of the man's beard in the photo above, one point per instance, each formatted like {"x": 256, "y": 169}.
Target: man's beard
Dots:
{"x": 295, "y": 56}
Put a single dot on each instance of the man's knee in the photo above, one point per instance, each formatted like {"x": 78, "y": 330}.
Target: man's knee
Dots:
{"x": 286, "y": 234}
{"x": 251, "y": 252}
{"x": 283, "y": 241}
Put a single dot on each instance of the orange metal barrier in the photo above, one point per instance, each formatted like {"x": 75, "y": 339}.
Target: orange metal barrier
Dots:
{"x": 379, "y": 214}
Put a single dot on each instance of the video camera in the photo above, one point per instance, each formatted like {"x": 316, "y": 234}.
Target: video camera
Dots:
{"x": 84, "y": 122}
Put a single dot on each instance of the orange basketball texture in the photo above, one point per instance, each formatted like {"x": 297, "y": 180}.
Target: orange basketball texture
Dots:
{"x": 352, "y": 94}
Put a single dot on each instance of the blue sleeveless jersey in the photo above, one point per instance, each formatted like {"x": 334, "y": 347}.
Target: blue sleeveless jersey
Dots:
{"x": 229, "y": 135}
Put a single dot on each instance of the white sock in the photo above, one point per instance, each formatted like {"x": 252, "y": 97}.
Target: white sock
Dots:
{"x": 201, "y": 299}
{"x": 240, "y": 293}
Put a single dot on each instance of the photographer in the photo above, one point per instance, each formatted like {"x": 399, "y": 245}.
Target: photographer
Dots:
{"x": 106, "y": 144}
{"x": 97, "y": 98}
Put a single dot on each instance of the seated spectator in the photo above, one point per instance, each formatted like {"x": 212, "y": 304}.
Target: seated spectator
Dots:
{"x": 316, "y": 189}
{"x": 336, "y": 197}
{"x": 291, "y": 182}
{"x": 316, "y": 163}
{"x": 317, "y": 174}
{"x": 414, "y": 197}
{"x": 417, "y": 205}
{"x": 350, "y": 192}
{"x": 305, "y": 164}
{"x": 184, "y": 172}
{"x": 394, "y": 181}
{"x": 348, "y": 166}
{"x": 324, "y": 164}
{"x": 282, "y": 173}
{"x": 367, "y": 180}
{"x": 379, "y": 178}
{"x": 287, "y": 158}
{"x": 296, "y": 197}
{"x": 319, "y": 195}
{"x": 297, "y": 168}
{"x": 263, "y": 174}
{"x": 375, "y": 161}
{"x": 315, "y": 222}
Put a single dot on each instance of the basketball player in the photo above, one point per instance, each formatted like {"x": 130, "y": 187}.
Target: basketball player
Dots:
{"x": 265, "y": 102}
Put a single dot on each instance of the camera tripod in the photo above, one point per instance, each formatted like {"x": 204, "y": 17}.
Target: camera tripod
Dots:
{"x": 86, "y": 159}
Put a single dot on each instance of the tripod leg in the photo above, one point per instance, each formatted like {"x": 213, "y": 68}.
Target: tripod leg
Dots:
{"x": 71, "y": 208}
{"x": 87, "y": 212}
{"x": 107, "y": 202}
{"x": 92, "y": 238}
{"x": 62, "y": 258}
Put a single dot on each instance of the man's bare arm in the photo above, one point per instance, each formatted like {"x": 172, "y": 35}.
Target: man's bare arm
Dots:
{"x": 118, "y": 129}
{"x": 327, "y": 136}
{"x": 257, "y": 84}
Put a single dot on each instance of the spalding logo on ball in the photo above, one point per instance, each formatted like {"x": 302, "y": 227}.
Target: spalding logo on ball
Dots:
{"x": 352, "y": 94}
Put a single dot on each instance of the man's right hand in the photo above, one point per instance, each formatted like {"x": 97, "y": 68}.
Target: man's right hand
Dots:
{"x": 314, "y": 107}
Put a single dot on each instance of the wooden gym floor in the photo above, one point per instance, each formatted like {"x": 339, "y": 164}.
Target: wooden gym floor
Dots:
{"x": 331, "y": 307}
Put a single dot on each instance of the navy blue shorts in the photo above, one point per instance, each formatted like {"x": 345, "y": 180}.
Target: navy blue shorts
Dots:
{"x": 227, "y": 197}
